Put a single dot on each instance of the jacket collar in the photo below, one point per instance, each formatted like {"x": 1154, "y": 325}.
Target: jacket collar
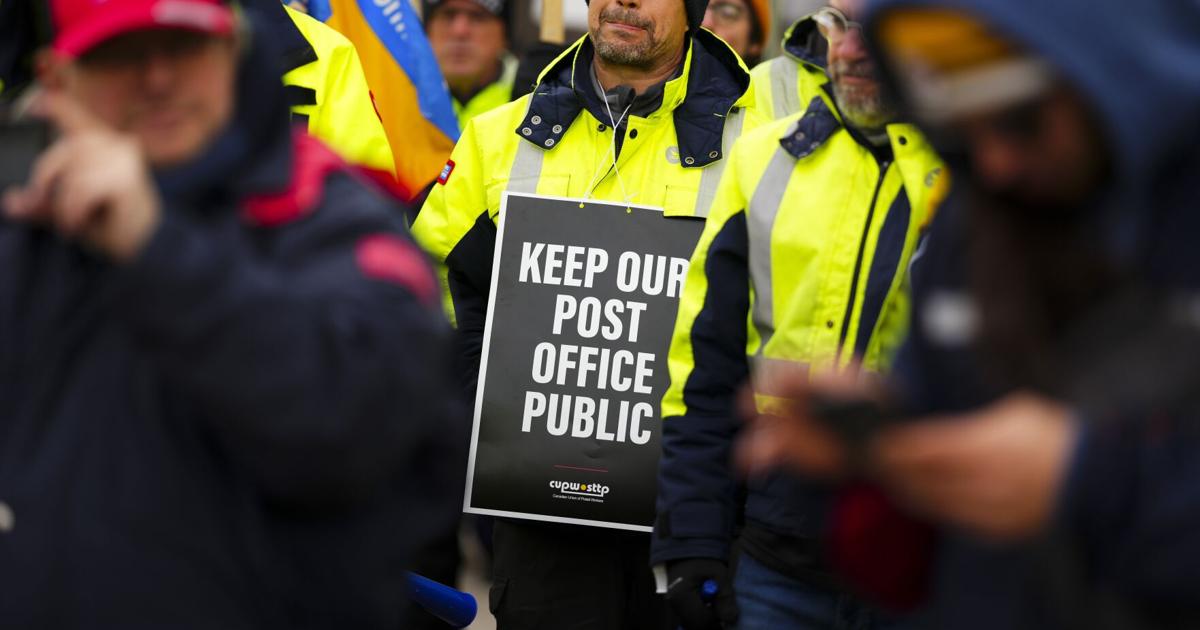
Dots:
{"x": 564, "y": 89}
{"x": 820, "y": 123}
{"x": 813, "y": 129}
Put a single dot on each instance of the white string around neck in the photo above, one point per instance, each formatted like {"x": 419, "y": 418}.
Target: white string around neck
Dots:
{"x": 612, "y": 151}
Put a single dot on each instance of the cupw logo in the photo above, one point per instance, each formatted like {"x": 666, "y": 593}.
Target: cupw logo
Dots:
{"x": 581, "y": 489}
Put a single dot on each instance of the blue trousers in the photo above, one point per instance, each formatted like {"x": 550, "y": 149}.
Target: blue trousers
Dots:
{"x": 772, "y": 601}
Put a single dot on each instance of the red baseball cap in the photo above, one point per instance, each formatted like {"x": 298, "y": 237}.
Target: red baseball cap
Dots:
{"x": 82, "y": 24}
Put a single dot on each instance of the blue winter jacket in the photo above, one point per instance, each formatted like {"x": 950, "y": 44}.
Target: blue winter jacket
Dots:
{"x": 230, "y": 431}
{"x": 1125, "y": 546}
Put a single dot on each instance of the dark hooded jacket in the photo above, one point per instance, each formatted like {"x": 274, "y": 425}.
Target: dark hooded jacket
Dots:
{"x": 226, "y": 432}
{"x": 1124, "y": 550}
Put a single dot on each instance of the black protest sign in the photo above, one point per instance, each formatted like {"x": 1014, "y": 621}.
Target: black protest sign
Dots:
{"x": 567, "y": 423}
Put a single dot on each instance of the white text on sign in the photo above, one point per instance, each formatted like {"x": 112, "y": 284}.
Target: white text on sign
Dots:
{"x": 577, "y": 266}
{"x": 591, "y": 368}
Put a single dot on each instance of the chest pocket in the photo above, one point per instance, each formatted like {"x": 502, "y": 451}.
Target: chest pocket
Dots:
{"x": 549, "y": 185}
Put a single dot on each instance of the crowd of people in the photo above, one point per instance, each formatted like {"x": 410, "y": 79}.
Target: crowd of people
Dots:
{"x": 934, "y": 365}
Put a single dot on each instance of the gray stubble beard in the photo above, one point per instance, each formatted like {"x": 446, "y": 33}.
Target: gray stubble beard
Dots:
{"x": 631, "y": 55}
{"x": 865, "y": 112}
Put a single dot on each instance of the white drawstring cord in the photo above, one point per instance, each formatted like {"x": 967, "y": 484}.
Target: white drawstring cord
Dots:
{"x": 612, "y": 150}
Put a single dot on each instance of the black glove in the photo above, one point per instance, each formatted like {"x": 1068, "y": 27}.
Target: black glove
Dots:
{"x": 684, "y": 580}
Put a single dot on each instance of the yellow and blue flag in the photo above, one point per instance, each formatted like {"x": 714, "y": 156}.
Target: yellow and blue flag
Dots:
{"x": 408, "y": 89}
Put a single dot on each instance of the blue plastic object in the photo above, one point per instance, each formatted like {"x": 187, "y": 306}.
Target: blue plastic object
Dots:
{"x": 450, "y": 605}
{"x": 708, "y": 592}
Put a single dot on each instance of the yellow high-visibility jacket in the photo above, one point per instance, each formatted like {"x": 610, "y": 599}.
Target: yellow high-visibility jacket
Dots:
{"x": 494, "y": 95}
{"x": 803, "y": 260}
{"x": 559, "y": 141}
{"x": 331, "y": 93}
{"x": 785, "y": 85}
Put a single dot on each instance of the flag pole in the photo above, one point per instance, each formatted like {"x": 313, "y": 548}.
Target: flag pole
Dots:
{"x": 553, "y": 31}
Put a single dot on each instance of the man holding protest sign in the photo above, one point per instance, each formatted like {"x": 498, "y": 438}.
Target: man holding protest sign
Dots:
{"x": 583, "y": 298}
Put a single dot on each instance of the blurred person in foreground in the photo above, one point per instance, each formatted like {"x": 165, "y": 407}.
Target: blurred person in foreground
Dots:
{"x": 743, "y": 24}
{"x": 470, "y": 40}
{"x": 221, "y": 355}
{"x": 1050, "y": 383}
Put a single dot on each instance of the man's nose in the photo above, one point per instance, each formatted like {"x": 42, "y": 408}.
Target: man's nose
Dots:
{"x": 460, "y": 25}
{"x": 851, "y": 45}
{"x": 158, "y": 70}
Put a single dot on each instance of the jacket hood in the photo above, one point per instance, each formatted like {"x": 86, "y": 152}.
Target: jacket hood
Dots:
{"x": 253, "y": 153}
{"x": 804, "y": 43}
{"x": 1144, "y": 86}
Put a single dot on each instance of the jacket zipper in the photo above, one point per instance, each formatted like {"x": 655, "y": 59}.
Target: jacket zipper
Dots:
{"x": 862, "y": 246}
